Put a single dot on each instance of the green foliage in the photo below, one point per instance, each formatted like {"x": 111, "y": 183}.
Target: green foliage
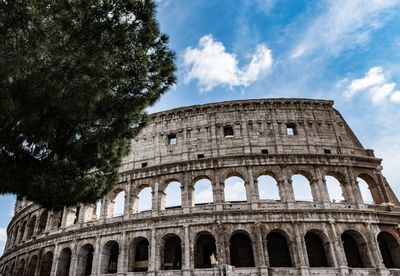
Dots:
{"x": 75, "y": 79}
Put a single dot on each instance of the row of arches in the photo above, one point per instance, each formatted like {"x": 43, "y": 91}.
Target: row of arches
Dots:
{"x": 280, "y": 252}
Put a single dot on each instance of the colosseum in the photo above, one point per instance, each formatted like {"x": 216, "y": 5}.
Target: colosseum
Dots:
{"x": 261, "y": 187}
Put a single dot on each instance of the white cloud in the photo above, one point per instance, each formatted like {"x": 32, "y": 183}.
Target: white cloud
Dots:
{"x": 211, "y": 65}
{"x": 375, "y": 84}
{"x": 3, "y": 238}
{"x": 344, "y": 24}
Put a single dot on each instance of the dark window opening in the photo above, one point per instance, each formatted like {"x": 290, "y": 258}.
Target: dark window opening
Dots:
{"x": 141, "y": 263}
{"x": 64, "y": 262}
{"x": 352, "y": 251}
{"x": 241, "y": 251}
{"x": 264, "y": 151}
{"x": 327, "y": 151}
{"x": 172, "y": 139}
{"x": 172, "y": 253}
{"x": 78, "y": 209}
{"x": 228, "y": 132}
{"x": 390, "y": 250}
{"x": 278, "y": 250}
{"x": 204, "y": 248}
{"x": 315, "y": 250}
{"x": 88, "y": 260}
{"x": 113, "y": 261}
{"x": 45, "y": 267}
{"x": 291, "y": 129}
{"x": 144, "y": 165}
{"x": 200, "y": 156}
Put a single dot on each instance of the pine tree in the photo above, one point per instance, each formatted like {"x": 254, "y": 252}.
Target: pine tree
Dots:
{"x": 76, "y": 77}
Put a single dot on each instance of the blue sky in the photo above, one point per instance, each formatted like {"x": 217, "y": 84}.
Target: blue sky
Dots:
{"x": 347, "y": 51}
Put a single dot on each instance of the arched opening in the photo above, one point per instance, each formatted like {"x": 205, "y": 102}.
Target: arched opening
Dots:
{"x": 334, "y": 189}
{"x": 98, "y": 209}
{"x": 173, "y": 195}
{"x": 64, "y": 262}
{"x": 203, "y": 192}
{"x": 20, "y": 267}
{"x": 390, "y": 250}
{"x": 85, "y": 260}
{"x": 172, "y": 253}
{"x": 278, "y": 250}
{"x": 109, "y": 257}
{"x": 31, "y": 227}
{"x": 235, "y": 189}
{"x": 32, "y": 266}
{"x": 42, "y": 222}
{"x": 204, "y": 248}
{"x": 268, "y": 188}
{"x": 365, "y": 191}
{"x": 145, "y": 199}
{"x": 21, "y": 232}
{"x": 315, "y": 250}
{"x": 301, "y": 188}
{"x": 139, "y": 255}
{"x": 119, "y": 204}
{"x": 355, "y": 249}
{"x": 45, "y": 267}
{"x": 241, "y": 250}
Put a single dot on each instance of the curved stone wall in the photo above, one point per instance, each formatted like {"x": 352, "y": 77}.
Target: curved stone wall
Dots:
{"x": 239, "y": 141}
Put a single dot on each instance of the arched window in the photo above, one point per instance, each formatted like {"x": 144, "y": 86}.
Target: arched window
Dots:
{"x": 145, "y": 199}
{"x": 20, "y": 267}
{"x": 22, "y": 232}
{"x": 278, "y": 250}
{"x": 241, "y": 251}
{"x": 98, "y": 209}
{"x": 235, "y": 189}
{"x": 172, "y": 253}
{"x": 355, "y": 249}
{"x": 119, "y": 204}
{"x": 42, "y": 222}
{"x": 365, "y": 191}
{"x": 268, "y": 188}
{"x": 32, "y": 266}
{"x": 45, "y": 267}
{"x": 31, "y": 227}
{"x": 139, "y": 255}
{"x": 64, "y": 262}
{"x": 390, "y": 250}
{"x": 203, "y": 192}
{"x": 334, "y": 189}
{"x": 85, "y": 260}
{"x": 301, "y": 188}
{"x": 109, "y": 263}
{"x": 315, "y": 250}
{"x": 204, "y": 248}
{"x": 173, "y": 195}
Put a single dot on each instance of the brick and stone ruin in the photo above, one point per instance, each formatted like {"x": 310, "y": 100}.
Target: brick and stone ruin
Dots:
{"x": 269, "y": 186}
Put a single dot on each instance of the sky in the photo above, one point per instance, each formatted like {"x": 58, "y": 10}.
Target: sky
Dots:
{"x": 346, "y": 51}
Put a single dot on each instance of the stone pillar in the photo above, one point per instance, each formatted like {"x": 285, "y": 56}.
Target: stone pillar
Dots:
{"x": 339, "y": 250}
{"x": 54, "y": 264}
{"x": 121, "y": 255}
{"x": 186, "y": 250}
{"x": 251, "y": 189}
{"x": 128, "y": 199}
{"x": 74, "y": 259}
{"x": 153, "y": 248}
{"x": 301, "y": 251}
{"x": 261, "y": 262}
{"x": 323, "y": 189}
{"x": 355, "y": 189}
{"x": 96, "y": 266}
{"x": 104, "y": 208}
{"x": 48, "y": 221}
{"x": 373, "y": 231}
{"x": 155, "y": 204}
{"x": 218, "y": 192}
{"x": 331, "y": 248}
{"x": 186, "y": 189}
{"x": 288, "y": 194}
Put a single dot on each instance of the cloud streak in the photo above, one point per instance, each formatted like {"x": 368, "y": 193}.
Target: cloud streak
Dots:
{"x": 211, "y": 65}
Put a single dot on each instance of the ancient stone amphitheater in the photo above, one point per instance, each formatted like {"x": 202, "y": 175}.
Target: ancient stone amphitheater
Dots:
{"x": 271, "y": 186}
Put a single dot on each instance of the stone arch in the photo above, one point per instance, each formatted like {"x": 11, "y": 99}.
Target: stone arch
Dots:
{"x": 301, "y": 183}
{"x": 355, "y": 248}
{"x": 11, "y": 269}
{"x": 109, "y": 257}
{"x": 241, "y": 249}
{"x": 46, "y": 263}
{"x": 279, "y": 253}
{"x": 116, "y": 203}
{"x": 171, "y": 252}
{"x": 235, "y": 188}
{"x": 144, "y": 198}
{"x": 32, "y": 266}
{"x": 318, "y": 251}
{"x": 85, "y": 260}
{"x": 172, "y": 194}
{"x": 369, "y": 188}
{"x": 139, "y": 255}
{"x": 268, "y": 187}
{"x": 64, "y": 262}
{"x": 31, "y": 227}
{"x": 20, "y": 267}
{"x": 202, "y": 191}
{"x": 204, "y": 247}
{"x": 335, "y": 184}
{"x": 42, "y": 221}
{"x": 389, "y": 248}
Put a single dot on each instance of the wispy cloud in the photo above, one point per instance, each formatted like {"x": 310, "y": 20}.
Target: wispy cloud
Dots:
{"x": 211, "y": 65}
{"x": 344, "y": 24}
{"x": 375, "y": 84}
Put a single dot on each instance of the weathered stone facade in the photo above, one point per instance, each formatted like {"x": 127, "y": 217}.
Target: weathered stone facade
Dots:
{"x": 246, "y": 139}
